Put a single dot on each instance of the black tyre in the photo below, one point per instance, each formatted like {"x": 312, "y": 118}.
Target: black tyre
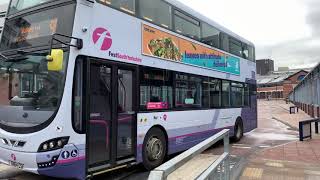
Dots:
{"x": 154, "y": 149}
{"x": 238, "y": 131}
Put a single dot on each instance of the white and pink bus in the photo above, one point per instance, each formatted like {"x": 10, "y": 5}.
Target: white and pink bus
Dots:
{"x": 90, "y": 86}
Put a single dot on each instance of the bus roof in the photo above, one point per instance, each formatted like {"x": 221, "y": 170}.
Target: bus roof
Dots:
{"x": 199, "y": 16}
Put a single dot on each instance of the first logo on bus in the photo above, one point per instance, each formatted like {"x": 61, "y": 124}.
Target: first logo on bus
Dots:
{"x": 102, "y": 38}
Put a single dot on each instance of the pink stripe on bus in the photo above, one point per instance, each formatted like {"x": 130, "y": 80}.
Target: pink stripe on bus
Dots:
{"x": 70, "y": 160}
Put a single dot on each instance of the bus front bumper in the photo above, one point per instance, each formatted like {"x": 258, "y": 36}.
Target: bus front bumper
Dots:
{"x": 62, "y": 163}
{"x": 21, "y": 160}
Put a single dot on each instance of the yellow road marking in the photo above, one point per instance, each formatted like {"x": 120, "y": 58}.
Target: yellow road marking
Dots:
{"x": 274, "y": 164}
{"x": 253, "y": 173}
{"x": 242, "y": 147}
{"x": 309, "y": 172}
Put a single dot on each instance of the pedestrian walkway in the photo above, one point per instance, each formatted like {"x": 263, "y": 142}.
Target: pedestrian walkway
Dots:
{"x": 292, "y": 120}
{"x": 292, "y": 161}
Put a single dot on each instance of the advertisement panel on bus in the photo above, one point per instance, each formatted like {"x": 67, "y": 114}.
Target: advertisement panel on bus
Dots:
{"x": 157, "y": 43}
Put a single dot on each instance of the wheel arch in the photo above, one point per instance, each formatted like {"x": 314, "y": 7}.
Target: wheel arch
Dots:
{"x": 239, "y": 119}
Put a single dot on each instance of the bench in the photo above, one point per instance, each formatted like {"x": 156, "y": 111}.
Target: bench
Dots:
{"x": 305, "y": 128}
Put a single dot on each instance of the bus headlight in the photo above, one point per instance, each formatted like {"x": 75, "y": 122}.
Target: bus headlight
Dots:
{"x": 53, "y": 144}
{"x": 45, "y": 147}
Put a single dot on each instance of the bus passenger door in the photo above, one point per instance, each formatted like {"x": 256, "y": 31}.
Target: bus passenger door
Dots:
{"x": 125, "y": 112}
{"x": 100, "y": 114}
{"x": 112, "y": 107}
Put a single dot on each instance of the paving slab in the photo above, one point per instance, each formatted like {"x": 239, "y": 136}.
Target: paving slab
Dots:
{"x": 193, "y": 168}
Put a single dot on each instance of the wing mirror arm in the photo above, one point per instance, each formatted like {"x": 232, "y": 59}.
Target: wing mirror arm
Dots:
{"x": 78, "y": 44}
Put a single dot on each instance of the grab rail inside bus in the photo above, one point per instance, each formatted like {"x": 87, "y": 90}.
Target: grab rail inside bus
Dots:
{"x": 220, "y": 166}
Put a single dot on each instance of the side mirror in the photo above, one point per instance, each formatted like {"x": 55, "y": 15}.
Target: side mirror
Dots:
{"x": 55, "y": 60}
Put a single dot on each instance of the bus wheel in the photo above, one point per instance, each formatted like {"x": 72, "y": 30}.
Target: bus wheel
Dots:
{"x": 238, "y": 131}
{"x": 154, "y": 148}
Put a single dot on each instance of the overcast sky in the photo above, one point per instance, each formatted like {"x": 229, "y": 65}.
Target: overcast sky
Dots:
{"x": 287, "y": 31}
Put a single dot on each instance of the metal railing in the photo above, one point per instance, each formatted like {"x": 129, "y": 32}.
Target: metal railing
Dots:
{"x": 307, "y": 91}
{"x": 219, "y": 169}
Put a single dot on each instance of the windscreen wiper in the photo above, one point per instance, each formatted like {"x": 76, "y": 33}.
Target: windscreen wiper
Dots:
{"x": 21, "y": 52}
{"x": 18, "y": 59}
{"x": 4, "y": 57}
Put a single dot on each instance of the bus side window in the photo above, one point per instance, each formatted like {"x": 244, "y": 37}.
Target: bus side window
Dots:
{"x": 224, "y": 42}
{"x": 155, "y": 89}
{"x": 128, "y": 6}
{"x": 156, "y": 11}
{"x": 188, "y": 91}
{"x": 225, "y": 93}
{"x": 245, "y": 51}
{"x": 210, "y": 35}
{"x": 246, "y": 95}
{"x": 251, "y": 53}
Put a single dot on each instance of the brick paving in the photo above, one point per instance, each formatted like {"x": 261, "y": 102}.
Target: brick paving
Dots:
{"x": 306, "y": 152}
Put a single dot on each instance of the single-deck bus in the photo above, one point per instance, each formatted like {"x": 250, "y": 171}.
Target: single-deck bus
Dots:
{"x": 89, "y": 86}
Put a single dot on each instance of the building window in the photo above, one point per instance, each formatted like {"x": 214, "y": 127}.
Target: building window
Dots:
{"x": 155, "y": 89}
{"x": 237, "y": 95}
{"x": 125, "y": 5}
{"x": 210, "y": 35}
{"x": 301, "y": 77}
{"x": 186, "y": 25}
{"x": 188, "y": 91}
{"x": 225, "y": 96}
{"x": 156, "y": 11}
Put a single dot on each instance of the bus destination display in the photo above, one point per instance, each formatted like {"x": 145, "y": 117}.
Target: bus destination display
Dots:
{"x": 36, "y": 30}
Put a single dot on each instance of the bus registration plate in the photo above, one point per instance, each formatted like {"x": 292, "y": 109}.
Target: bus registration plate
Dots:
{"x": 16, "y": 164}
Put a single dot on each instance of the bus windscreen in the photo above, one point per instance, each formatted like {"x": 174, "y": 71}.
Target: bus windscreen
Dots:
{"x": 18, "y": 5}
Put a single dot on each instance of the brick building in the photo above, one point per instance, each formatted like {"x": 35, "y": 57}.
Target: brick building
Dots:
{"x": 279, "y": 84}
